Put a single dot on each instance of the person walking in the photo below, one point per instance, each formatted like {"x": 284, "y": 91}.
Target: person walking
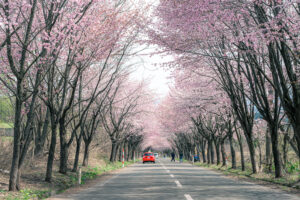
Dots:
{"x": 173, "y": 156}
{"x": 181, "y": 157}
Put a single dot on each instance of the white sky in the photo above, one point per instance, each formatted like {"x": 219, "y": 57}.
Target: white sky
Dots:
{"x": 149, "y": 68}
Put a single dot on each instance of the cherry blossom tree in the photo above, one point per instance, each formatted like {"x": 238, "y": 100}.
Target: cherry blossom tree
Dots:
{"x": 47, "y": 47}
{"x": 239, "y": 38}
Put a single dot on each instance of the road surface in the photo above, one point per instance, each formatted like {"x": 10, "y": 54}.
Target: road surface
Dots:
{"x": 166, "y": 180}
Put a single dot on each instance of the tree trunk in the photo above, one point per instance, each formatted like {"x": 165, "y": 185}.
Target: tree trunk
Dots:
{"x": 121, "y": 146}
{"x": 268, "y": 151}
{"x": 113, "y": 151}
{"x": 64, "y": 147}
{"x": 86, "y": 155}
{"x": 14, "y": 170}
{"x": 212, "y": 157}
{"x": 297, "y": 136}
{"x": 223, "y": 154}
{"x": 260, "y": 156}
{"x": 239, "y": 137}
{"x": 208, "y": 152}
{"x": 217, "y": 146}
{"x": 276, "y": 152}
{"x": 19, "y": 179}
{"x": 40, "y": 141}
{"x": 232, "y": 151}
{"x": 128, "y": 152}
{"x": 132, "y": 153}
{"x": 63, "y": 166}
{"x": 51, "y": 150}
{"x": 203, "y": 144}
{"x": 76, "y": 160}
{"x": 285, "y": 149}
{"x": 37, "y": 138}
{"x": 252, "y": 154}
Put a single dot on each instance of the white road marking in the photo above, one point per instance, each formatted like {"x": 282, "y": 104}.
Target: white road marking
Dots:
{"x": 178, "y": 184}
{"x": 172, "y": 175}
{"x": 188, "y": 197}
{"x": 163, "y": 166}
{"x": 168, "y": 170}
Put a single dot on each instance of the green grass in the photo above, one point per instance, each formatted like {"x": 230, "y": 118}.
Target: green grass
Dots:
{"x": 6, "y": 125}
{"x": 90, "y": 173}
{"x": 28, "y": 194}
{"x": 66, "y": 181}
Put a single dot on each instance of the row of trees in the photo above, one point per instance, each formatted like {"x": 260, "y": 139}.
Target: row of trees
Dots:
{"x": 64, "y": 68}
{"x": 235, "y": 62}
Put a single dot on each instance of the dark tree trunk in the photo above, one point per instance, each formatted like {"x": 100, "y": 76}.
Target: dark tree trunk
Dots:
{"x": 132, "y": 153}
{"x": 14, "y": 170}
{"x": 203, "y": 144}
{"x": 117, "y": 153}
{"x": 268, "y": 151}
{"x": 128, "y": 152}
{"x": 51, "y": 150}
{"x": 76, "y": 160}
{"x": 252, "y": 154}
{"x": 63, "y": 166}
{"x": 208, "y": 152}
{"x": 212, "y": 157}
{"x": 224, "y": 163}
{"x": 113, "y": 151}
{"x": 19, "y": 179}
{"x": 86, "y": 154}
{"x": 297, "y": 136}
{"x": 285, "y": 149}
{"x": 260, "y": 156}
{"x": 120, "y": 152}
{"x": 239, "y": 137}
{"x": 37, "y": 138}
{"x": 40, "y": 140}
{"x": 217, "y": 146}
{"x": 232, "y": 151}
{"x": 276, "y": 152}
{"x": 64, "y": 146}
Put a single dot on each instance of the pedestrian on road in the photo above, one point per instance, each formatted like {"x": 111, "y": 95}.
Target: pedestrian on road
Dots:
{"x": 173, "y": 156}
{"x": 181, "y": 157}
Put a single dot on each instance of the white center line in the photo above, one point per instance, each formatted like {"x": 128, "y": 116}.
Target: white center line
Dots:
{"x": 172, "y": 175}
{"x": 188, "y": 197}
{"x": 178, "y": 184}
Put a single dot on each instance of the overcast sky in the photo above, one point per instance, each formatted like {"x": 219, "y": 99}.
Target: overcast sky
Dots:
{"x": 148, "y": 67}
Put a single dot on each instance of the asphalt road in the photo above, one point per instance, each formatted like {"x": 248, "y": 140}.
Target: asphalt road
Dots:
{"x": 166, "y": 180}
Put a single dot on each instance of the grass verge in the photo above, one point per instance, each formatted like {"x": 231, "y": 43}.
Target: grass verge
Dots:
{"x": 62, "y": 182}
{"x": 6, "y": 125}
{"x": 288, "y": 180}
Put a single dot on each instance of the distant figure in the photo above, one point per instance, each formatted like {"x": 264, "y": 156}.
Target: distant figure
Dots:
{"x": 181, "y": 157}
{"x": 173, "y": 156}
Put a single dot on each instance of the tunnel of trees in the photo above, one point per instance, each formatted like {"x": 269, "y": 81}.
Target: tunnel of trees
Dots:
{"x": 235, "y": 94}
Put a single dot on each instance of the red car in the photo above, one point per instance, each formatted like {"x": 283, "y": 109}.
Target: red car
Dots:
{"x": 148, "y": 157}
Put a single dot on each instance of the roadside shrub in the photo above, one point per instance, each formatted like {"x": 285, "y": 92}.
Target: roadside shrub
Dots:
{"x": 292, "y": 167}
